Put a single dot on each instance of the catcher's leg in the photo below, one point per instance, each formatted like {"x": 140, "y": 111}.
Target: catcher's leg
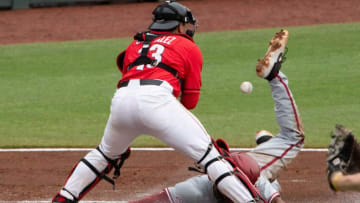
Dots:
{"x": 87, "y": 173}
{"x": 181, "y": 130}
{"x": 112, "y": 151}
{"x": 186, "y": 135}
{"x": 229, "y": 179}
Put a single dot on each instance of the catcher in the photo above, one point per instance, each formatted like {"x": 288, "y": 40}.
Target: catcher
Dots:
{"x": 343, "y": 161}
{"x": 161, "y": 64}
{"x": 263, "y": 164}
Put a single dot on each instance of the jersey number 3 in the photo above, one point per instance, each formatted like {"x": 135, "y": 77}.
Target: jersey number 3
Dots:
{"x": 157, "y": 50}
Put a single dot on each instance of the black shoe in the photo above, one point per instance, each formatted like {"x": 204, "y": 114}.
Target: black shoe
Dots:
{"x": 61, "y": 199}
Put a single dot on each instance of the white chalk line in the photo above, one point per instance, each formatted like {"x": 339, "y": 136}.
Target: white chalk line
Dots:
{"x": 133, "y": 149}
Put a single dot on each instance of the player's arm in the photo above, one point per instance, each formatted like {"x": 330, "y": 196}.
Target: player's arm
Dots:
{"x": 343, "y": 160}
{"x": 192, "y": 81}
{"x": 346, "y": 182}
{"x": 269, "y": 191}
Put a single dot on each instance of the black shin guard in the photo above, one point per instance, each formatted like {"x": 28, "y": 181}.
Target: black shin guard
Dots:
{"x": 117, "y": 164}
{"x": 223, "y": 149}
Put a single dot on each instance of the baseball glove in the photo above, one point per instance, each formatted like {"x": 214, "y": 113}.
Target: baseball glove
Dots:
{"x": 343, "y": 154}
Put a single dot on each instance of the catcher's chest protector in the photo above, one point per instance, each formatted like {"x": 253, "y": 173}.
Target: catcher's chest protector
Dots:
{"x": 143, "y": 59}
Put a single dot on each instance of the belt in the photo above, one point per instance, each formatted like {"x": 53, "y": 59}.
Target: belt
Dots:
{"x": 142, "y": 82}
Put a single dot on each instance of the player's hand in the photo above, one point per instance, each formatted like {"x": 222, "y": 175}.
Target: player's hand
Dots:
{"x": 343, "y": 154}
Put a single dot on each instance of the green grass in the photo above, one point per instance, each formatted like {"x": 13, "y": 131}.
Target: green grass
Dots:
{"x": 58, "y": 94}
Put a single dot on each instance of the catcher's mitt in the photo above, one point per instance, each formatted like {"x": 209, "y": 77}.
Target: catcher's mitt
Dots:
{"x": 343, "y": 154}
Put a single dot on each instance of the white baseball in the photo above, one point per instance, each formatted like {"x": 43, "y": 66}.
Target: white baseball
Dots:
{"x": 246, "y": 87}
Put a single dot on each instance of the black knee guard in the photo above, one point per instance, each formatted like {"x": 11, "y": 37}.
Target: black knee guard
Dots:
{"x": 117, "y": 163}
{"x": 223, "y": 149}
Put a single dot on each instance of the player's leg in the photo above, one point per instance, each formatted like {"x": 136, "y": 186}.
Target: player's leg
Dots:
{"x": 277, "y": 152}
{"x": 180, "y": 129}
{"x": 98, "y": 162}
{"x": 286, "y": 111}
{"x": 161, "y": 197}
{"x": 196, "y": 189}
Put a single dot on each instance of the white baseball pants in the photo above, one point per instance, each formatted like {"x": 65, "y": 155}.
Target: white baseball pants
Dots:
{"x": 153, "y": 110}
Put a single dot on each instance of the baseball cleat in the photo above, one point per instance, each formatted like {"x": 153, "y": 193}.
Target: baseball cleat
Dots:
{"x": 269, "y": 66}
{"x": 262, "y": 136}
{"x": 61, "y": 199}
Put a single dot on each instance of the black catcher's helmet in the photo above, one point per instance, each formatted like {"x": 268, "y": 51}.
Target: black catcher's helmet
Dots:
{"x": 169, "y": 15}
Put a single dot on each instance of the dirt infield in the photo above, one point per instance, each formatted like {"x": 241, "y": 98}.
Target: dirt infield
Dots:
{"x": 39, "y": 175}
{"x": 112, "y": 21}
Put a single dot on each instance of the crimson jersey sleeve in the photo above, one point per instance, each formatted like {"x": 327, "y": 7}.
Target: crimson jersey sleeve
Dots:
{"x": 192, "y": 80}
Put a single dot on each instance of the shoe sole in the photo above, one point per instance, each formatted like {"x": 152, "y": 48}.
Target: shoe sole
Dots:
{"x": 276, "y": 48}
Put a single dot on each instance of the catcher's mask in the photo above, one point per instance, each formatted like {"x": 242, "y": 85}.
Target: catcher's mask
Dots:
{"x": 169, "y": 15}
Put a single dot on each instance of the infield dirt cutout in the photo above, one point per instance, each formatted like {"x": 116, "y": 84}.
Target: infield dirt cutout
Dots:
{"x": 40, "y": 175}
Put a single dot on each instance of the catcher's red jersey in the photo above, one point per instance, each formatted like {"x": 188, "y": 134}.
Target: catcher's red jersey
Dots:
{"x": 175, "y": 50}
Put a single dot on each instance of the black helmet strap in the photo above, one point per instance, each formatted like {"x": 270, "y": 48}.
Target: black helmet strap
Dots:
{"x": 190, "y": 32}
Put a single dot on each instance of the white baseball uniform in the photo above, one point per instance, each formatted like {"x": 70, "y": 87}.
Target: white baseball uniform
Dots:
{"x": 146, "y": 103}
